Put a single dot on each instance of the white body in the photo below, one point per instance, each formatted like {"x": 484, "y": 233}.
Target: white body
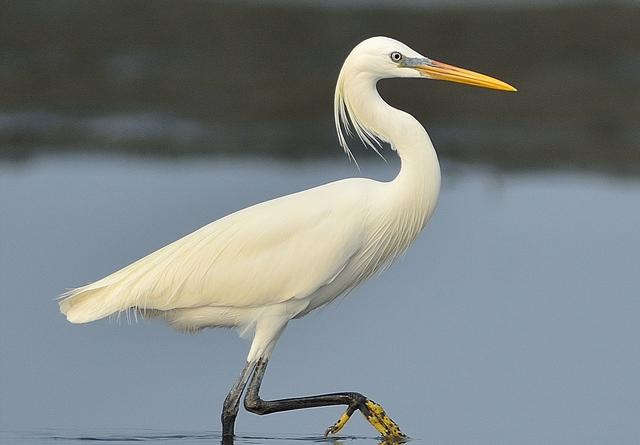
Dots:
{"x": 267, "y": 264}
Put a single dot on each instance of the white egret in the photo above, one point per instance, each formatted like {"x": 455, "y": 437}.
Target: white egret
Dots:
{"x": 278, "y": 260}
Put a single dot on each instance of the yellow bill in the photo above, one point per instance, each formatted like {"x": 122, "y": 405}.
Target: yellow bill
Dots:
{"x": 438, "y": 70}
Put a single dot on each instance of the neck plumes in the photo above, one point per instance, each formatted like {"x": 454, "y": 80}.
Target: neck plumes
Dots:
{"x": 413, "y": 194}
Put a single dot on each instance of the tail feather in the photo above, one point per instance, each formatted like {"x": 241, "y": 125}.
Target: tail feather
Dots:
{"x": 112, "y": 294}
{"x": 85, "y": 304}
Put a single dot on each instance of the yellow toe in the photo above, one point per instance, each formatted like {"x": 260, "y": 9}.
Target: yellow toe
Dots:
{"x": 377, "y": 417}
{"x": 342, "y": 421}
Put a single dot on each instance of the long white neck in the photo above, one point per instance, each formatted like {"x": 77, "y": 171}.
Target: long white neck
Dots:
{"x": 416, "y": 188}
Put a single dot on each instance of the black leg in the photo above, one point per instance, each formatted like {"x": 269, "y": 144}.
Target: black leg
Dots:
{"x": 353, "y": 400}
{"x": 232, "y": 402}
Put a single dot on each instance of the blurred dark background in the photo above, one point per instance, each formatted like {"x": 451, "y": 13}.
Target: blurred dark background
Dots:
{"x": 205, "y": 77}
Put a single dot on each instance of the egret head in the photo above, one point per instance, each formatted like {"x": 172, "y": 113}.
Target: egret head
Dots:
{"x": 382, "y": 58}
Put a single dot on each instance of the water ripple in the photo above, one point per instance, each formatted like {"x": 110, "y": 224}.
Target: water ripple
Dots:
{"x": 182, "y": 437}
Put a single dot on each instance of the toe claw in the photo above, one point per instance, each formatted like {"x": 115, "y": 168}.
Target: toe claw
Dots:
{"x": 342, "y": 421}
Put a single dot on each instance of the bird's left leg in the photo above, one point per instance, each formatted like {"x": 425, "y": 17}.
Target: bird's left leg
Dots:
{"x": 373, "y": 412}
{"x": 232, "y": 401}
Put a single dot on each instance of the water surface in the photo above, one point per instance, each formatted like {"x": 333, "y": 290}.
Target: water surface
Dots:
{"x": 513, "y": 319}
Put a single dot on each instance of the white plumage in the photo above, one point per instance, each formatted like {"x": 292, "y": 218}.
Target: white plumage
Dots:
{"x": 267, "y": 264}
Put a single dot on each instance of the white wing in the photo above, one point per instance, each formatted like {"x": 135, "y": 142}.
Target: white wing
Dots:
{"x": 271, "y": 252}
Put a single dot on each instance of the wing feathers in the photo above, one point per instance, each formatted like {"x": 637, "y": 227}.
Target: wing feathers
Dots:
{"x": 265, "y": 254}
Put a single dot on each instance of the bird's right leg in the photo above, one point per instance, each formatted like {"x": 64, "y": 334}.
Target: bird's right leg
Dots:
{"x": 232, "y": 402}
{"x": 354, "y": 401}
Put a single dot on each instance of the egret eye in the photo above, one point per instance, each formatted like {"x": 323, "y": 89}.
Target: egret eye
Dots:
{"x": 396, "y": 56}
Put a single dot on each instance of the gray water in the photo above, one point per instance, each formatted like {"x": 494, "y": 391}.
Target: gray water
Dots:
{"x": 513, "y": 318}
